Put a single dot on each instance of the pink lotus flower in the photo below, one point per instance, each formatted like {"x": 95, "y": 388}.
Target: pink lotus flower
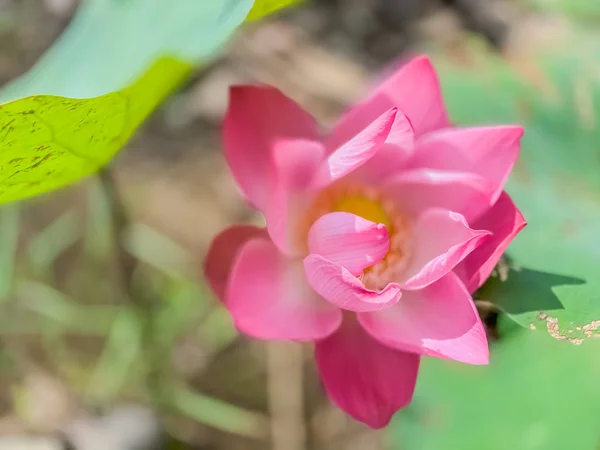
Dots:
{"x": 376, "y": 235}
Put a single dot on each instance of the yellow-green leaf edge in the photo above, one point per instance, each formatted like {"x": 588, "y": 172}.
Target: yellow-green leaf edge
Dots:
{"x": 48, "y": 142}
{"x": 262, "y": 8}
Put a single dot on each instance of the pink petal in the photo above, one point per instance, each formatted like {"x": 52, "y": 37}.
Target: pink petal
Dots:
{"x": 505, "y": 221}
{"x": 256, "y": 118}
{"x": 391, "y": 156}
{"x": 419, "y": 189}
{"x": 268, "y": 297}
{"x": 358, "y": 150}
{"x": 223, "y": 252}
{"x": 366, "y": 379}
{"x": 441, "y": 239}
{"x": 414, "y": 89}
{"x": 440, "y": 320}
{"x": 337, "y": 285}
{"x": 487, "y": 151}
{"x": 349, "y": 241}
{"x": 295, "y": 163}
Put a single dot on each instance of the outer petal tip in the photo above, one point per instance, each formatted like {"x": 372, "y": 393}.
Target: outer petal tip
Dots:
{"x": 505, "y": 222}
{"x": 256, "y": 118}
{"x": 440, "y": 320}
{"x": 365, "y": 378}
{"x": 237, "y": 89}
{"x": 421, "y": 59}
{"x": 521, "y": 222}
{"x": 422, "y": 102}
{"x": 518, "y": 129}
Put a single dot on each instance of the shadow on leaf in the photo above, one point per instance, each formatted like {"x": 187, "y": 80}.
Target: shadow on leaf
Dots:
{"x": 524, "y": 290}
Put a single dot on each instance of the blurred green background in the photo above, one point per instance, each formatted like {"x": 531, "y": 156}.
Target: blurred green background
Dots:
{"x": 111, "y": 341}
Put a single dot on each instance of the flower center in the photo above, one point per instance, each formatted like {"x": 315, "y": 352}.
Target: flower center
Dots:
{"x": 367, "y": 207}
{"x": 370, "y": 204}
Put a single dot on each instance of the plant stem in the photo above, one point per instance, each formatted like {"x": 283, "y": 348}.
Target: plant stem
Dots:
{"x": 285, "y": 382}
{"x": 140, "y": 296}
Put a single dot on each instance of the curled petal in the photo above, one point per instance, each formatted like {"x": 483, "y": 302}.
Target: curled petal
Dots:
{"x": 440, "y": 320}
{"x": 391, "y": 157}
{"x": 257, "y": 117}
{"x": 268, "y": 297}
{"x": 342, "y": 289}
{"x": 349, "y": 241}
{"x": 441, "y": 240}
{"x": 368, "y": 380}
{"x": 357, "y": 151}
{"x": 505, "y": 221}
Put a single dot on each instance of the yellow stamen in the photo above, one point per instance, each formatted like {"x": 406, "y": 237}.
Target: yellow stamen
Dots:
{"x": 371, "y": 205}
{"x": 367, "y": 208}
